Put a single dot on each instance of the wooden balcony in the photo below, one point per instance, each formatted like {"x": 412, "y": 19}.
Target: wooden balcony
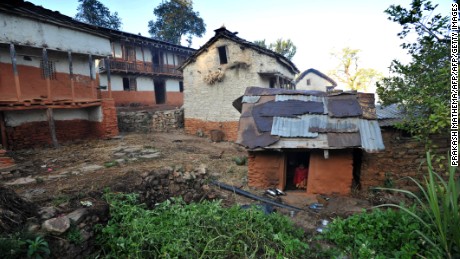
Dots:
{"x": 141, "y": 68}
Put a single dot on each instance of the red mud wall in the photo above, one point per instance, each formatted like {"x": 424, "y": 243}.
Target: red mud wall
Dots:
{"x": 145, "y": 98}
{"x": 402, "y": 157}
{"x": 33, "y": 86}
{"x": 266, "y": 169}
{"x": 35, "y": 134}
{"x": 230, "y": 128}
{"x": 332, "y": 175}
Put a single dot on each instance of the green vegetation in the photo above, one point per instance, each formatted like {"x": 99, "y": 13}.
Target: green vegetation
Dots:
{"x": 37, "y": 248}
{"x": 198, "y": 230}
{"x": 21, "y": 245}
{"x": 240, "y": 160}
{"x": 422, "y": 85}
{"x": 283, "y": 47}
{"x": 174, "y": 19}
{"x": 377, "y": 234}
{"x": 94, "y": 12}
{"x": 437, "y": 211}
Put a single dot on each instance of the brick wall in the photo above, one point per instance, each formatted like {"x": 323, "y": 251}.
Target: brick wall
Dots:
{"x": 109, "y": 124}
{"x": 266, "y": 169}
{"x": 195, "y": 126}
{"x": 403, "y": 156}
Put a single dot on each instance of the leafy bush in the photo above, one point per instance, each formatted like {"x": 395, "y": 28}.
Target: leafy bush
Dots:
{"x": 377, "y": 234}
{"x": 206, "y": 230}
{"x": 438, "y": 211}
{"x": 240, "y": 160}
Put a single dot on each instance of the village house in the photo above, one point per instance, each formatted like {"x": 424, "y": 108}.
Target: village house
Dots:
{"x": 326, "y": 133}
{"x": 312, "y": 79}
{"x": 219, "y": 72}
{"x": 143, "y": 71}
{"x": 48, "y": 78}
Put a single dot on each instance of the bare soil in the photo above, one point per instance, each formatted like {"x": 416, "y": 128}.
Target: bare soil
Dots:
{"x": 63, "y": 176}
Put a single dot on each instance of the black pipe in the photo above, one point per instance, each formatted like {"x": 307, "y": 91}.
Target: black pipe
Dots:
{"x": 253, "y": 196}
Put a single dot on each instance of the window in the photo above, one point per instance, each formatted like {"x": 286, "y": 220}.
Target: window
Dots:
{"x": 129, "y": 84}
{"x": 181, "y": 86}
{"x": 222, "y": 54}
{"x": 130, "y": 54}
{"x": 48, "y": 69}
{"x": 308, "y": 82}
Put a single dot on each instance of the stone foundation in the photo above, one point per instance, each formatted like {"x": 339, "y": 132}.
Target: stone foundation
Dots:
{"x": 147, "y": 121}
{"x": 204, "y": 128}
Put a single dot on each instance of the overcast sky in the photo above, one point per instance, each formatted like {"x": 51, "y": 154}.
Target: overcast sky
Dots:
{"x": 316, "y": 27}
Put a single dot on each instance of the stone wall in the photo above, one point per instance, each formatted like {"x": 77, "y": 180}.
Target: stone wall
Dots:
{"x": 148, "y": 121}
{"x": 403, "y": 156}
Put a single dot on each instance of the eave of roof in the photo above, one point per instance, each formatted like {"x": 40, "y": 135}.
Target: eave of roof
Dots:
{"x": 224, "y": 33}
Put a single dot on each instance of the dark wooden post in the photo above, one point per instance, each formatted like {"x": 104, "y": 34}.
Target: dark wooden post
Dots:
{"x": 107, "y": 68}
{"x": 3, "y": 131}
{"x": 72, "y": 84}
{"x": 47, "y": 73}
{"x": 49, "y": 116}
{"x": 15, "y": 72}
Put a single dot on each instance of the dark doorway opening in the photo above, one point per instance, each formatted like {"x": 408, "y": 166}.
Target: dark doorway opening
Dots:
{"x": 357, "y": 161}
{"x": 294, "y": 161}
{"x": 160, "y": 91}
{"x": 3, "y": 141}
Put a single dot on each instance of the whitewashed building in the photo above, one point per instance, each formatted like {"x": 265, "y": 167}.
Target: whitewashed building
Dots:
{"x": 312, "y": 79}
{"x": 219, "y": 72}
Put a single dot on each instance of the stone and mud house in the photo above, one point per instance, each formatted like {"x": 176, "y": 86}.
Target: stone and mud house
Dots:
{"x": 312, "y": 79}
{"x": 49, "y": 79}
{"x": 143, "y": 71}
{"x": 219, "y": 72}
{"x": 326, "y": 132}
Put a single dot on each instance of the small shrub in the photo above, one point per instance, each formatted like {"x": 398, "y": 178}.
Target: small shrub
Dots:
{"x": 74, "y": 235}
{"x": 240, "y": 160}
{"x": 38, "y": 248}
{"x": 198, "y": 230}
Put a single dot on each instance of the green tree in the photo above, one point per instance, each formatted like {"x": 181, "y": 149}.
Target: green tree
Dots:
{"x": 174, "y": 19}
{"x": 422, "y": 85}
{"x": 349, "y": 72}
{"x": 94, "y": 12}
{"x": 280, "y": 46}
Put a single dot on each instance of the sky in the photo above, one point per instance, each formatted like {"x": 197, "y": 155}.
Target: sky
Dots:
{"x": 317, "y": 28}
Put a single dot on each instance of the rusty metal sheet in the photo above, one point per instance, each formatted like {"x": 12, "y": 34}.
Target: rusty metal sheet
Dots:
{"x": 290, "y": 108}
{"x": 344, "y": 106}
{"x": 250, "y": 91}
{"x": 238, "y": 104}
{"x": 367, "y": 102}
{"x": 323, "y": 123}
{"x": 344, "y": 140}
{"x": 252, "y": 139}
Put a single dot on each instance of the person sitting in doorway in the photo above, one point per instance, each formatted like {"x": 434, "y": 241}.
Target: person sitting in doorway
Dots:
{"x": 301, "y": 176}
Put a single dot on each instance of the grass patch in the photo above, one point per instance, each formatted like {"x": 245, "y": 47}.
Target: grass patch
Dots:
{"x": 198, "y": 230}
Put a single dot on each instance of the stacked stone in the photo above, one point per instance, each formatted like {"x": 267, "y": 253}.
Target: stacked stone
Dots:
{"x": 159, "y": 185}
{"x": 135, "y": 121}
{"x": 164, "y": 121}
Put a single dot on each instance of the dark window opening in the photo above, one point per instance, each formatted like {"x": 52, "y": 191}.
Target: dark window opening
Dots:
{"x": 181, "y": 86}
{"x": 129, "y": 84}
{"x": 299, "y": 161}
{"x": 223, "y": 55}
{"x": 48, "y": 69}
{"x": 308, "y": 82}
{"x": 27, "y": 58}
{"x": 160, "y": 92}
{"x": 272, "y": 82}
{"x": 130, "y": 54}
{"x": 357, "y": 161}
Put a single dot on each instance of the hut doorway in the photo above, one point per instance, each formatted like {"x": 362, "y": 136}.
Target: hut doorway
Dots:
{"x": 296, "y": 161}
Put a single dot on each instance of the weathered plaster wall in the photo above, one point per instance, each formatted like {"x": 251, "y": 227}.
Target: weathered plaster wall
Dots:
{"x": 144, "y": 83}
{"x": 172, "y": 85}
{"x": 28, "y": 32}
{"x": 332, "y": 175}
{"x": 403, "y": 156}
{"x": 316, "y": 83}
{"x": 266, "y": 169}
{"x": 17, "y": 118}
{"x": 213, "y": 103}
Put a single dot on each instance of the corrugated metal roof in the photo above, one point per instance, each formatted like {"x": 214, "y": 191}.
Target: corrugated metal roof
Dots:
{"x": 251, "y": 99}
{"x": 324, "y": 123}
{"x": 371, "y": 137}
{"x": 391, "y": 111}
{"x": 292, "y": 127}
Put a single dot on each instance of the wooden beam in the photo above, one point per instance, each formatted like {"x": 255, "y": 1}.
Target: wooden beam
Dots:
{"x": 15, "y": 72}
{"x": 72, "y": 83}
{"x": 49, "y": 116}
{"x": 143, "y": 58}
{"x": 3, "y": 131}
{"x": 47, "y": 73}
{"x": 107, "y": 68}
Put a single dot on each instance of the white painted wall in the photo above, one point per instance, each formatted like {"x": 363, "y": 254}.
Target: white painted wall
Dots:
{"x": 144, "y": 83}
{"x": 117, "y": 50}
{"x": 17, "y": 118}
{"x": 214, "y": 102}
{"x": 115, "y": 80}
{"x": 172, "y": 85}
{"x": 168, "y": 58}
{"x": 29, "y": 32}
{"x": 316, "y": 83}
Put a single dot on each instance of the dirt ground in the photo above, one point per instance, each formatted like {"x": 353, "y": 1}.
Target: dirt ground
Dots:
{"x": 83, "y": 169}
